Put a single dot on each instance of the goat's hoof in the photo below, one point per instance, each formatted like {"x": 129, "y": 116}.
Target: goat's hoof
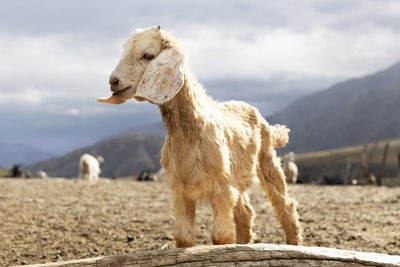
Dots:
{"x": 184, "y": 244}
{"x": 223, "y": 241}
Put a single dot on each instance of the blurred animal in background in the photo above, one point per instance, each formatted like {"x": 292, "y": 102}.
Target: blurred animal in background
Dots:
{"x": 89, "y": 167}
{"x": 146, "y": 175}
{"x": 212, "y": 150}
{"x": 41, "y": 174}
{"x": 17, "y": 172}
{"x": 290, "y": 168}
{"x": 161, "y": 175}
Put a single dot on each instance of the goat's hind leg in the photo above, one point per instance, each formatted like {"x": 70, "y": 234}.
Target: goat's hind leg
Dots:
{"x": 243, "y": 215}
{"x": 185, "y": 210}
{"x": 273, "y": 182}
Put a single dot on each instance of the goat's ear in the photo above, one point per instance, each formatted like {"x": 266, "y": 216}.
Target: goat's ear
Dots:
{"x": 163, "y": 77}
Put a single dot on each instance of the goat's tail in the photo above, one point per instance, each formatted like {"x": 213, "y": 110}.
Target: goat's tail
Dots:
{"x": 280, "y": 135}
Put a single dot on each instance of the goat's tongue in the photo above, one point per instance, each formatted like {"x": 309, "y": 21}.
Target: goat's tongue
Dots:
{"x": 111, "y": 100}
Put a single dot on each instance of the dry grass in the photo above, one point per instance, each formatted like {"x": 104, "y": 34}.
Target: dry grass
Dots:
{"x": 4, "y": 172}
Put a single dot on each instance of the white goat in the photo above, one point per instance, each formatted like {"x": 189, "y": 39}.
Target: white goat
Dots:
{"x": 161, "y": 175}
{"x": 212, "y": 150}
{"x": 290, "y": 168}
{"x": 41, "y": 174}
{"x": 89, "y": 167}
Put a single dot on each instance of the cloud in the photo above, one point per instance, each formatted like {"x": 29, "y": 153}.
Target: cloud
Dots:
{"x": 56, "y": 71}
{"x": 30, "y": 95}
{"x": 259, "y": 39}
{"x": 73, "y": 111}
{"x": 314, "y": 51}
{"x": 57, "y": 55}
{"x": 53, "y": 60}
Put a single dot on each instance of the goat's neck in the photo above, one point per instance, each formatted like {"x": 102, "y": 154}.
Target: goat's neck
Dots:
{"x": 185, "y": 114}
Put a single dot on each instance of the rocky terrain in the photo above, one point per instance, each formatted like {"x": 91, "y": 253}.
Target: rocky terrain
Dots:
{"x": 45, "y": 220}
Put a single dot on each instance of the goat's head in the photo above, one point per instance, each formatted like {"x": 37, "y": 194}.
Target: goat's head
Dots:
{"x": 151, "y": 68}
{"x": 99, "y": 158}
{"x": 289, "y": 156}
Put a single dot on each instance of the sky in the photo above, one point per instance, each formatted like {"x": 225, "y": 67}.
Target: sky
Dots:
{"x": 56, "y": 57}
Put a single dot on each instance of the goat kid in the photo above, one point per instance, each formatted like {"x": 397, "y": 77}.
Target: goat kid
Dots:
{"x": 89, "y": 167}
{"x": 213, "y": 150}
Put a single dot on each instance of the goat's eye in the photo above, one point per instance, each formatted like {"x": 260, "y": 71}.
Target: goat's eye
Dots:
{"x": 148, "y": 56}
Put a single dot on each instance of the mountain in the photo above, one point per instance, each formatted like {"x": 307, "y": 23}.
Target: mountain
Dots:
{"x": 154, "y": 128}
{"x": 346, "y": 162}
{"x": 20, "y": 154}
{"x": 124, "y": 155}
{"x": 353, "y": 112}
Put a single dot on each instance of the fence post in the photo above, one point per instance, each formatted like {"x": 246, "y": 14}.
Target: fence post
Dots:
{"x": 398, "y": 159}
{"x": 382, "y": 168}
{"x": 347, "y": 173}
{"x": 364, "y": 164}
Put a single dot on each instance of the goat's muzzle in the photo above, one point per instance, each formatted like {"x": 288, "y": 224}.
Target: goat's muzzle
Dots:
{"x": 114, "y": 82}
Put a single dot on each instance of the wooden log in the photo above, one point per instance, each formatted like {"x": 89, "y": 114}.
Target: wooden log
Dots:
{"x": 238, "y": 255}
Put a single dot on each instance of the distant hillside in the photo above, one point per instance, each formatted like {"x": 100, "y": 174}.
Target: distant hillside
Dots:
{"x": 352, "y": 154}
{"x": 349, "y": 113}
{"x": 4, "y": 172}
{"x": 20, "y": 154}
{"x": 154, "y": 128}
{"x": 123, "y": 156}
{"x": 334, "y": 162}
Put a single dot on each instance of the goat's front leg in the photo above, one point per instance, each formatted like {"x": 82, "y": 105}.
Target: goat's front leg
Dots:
{"x": 244, "y": 216}
{"x": 223, "y": 229}
{"x": 185, "y": 210}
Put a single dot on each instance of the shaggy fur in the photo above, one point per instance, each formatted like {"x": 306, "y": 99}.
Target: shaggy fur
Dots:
{"x": 290, "y": 168}
{"x": 212, "y": 151}
{"x": 89, "y": 168}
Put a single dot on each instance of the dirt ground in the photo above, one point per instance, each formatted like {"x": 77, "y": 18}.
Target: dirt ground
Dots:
{"x": 45, "y": 220}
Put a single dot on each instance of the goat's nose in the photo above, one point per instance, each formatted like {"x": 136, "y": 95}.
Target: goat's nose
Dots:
{"x": 114, "y": 83}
